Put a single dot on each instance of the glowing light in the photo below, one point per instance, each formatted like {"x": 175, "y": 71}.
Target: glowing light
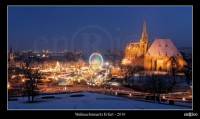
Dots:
{"x": 126, "y": 62}
{"x": 118, "y": 68}
{"x": 56, "y": 78}
{"x": 130, "y": 94}
{"x": 183, "y": 99}
{"x": 57, "y": 63}
{"x": 13, "y": 77}
{"x": 8, "y": 86}
{"x": 96, "y": 60}
{"x": 21, "y": 75}
{"x": 137, "y": 75}
{"x": 57, "y": 68}
{"x": 107, "y": 63}
{"x": 163, "y": 97}
{"x": 23, "y": 80}
{"x": 115, "y": 93}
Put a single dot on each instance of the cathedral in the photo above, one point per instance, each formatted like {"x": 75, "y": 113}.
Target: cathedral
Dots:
{"x": 134, "y": 50}
{"x": 160, "y": 55}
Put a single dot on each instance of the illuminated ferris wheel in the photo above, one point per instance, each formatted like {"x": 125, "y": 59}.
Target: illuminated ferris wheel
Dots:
{"x": 96, "y": 60}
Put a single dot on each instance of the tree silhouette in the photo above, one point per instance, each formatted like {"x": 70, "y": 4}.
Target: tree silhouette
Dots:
{"x": 173, "y": 69}
{"x": 130, "y": 71}
{"x": 157, "y": 84}
{"x": 33, "y": 75}
{"x": 188, "y": 74}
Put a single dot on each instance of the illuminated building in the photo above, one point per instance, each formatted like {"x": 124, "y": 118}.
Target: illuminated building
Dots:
{"x": 161, "y": 54}
{"x": 117, "y": 72}
{"x": 136, "y": 49}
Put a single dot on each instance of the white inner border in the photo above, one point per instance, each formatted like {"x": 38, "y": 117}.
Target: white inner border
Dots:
{"x": 101, "y": 6}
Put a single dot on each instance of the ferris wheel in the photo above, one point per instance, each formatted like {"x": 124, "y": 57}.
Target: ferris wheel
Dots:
{"x": 96, "y": 60}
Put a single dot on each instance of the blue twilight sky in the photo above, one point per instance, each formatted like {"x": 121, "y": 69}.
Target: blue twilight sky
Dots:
{"x": 88, "y": 28}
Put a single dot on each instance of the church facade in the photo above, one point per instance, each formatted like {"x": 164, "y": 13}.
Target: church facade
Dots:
{"x": 163, "y": 55}
{"x": 136, "y": 49}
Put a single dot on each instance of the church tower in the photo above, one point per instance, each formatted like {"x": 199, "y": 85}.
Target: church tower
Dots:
{"x": 11, "y": 55}
{"x": 144, "y": 41}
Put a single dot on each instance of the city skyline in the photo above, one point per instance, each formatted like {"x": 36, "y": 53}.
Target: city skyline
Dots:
{"x": 94, "y": 55}
{"x": 76, "y": 28}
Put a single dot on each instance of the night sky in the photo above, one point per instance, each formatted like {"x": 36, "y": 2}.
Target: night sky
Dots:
{"x": 95, "y": 28}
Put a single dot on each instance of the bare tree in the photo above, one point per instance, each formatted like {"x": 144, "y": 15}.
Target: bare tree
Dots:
{"x": 130, "y": 71}
{"x": 188, "y": 74}
{"x": 156, "y": 85}
{"x": 33, "y": 75}
{"x": 173, "y": 69}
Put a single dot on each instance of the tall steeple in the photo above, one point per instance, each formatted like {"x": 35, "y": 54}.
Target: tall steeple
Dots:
{"x": 144, "y": 37}
{"x": 144, "y": 42}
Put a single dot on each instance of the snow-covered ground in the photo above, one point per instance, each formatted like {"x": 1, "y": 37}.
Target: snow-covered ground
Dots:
{"x": 87, "y": 101}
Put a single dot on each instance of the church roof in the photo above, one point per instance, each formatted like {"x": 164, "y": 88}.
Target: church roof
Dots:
{"x": 163, "y": 47}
